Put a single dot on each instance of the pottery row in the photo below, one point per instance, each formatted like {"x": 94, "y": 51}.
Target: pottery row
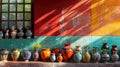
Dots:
{"x": 67, "y": 54}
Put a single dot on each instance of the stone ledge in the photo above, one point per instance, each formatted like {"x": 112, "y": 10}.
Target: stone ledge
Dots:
{"x": 56, "y": 64}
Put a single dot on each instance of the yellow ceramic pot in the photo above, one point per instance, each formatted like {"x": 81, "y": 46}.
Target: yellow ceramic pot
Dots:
{"x": 86, "y": 57}
{"x": 15, "y": 54}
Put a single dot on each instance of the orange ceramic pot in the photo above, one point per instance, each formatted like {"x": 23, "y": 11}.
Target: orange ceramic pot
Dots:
{"x": 67, "y": 52}
{"x": 45, "y": 54}
{"x": 59, "y": 58}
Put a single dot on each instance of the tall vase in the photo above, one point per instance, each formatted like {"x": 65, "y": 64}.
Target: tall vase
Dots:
{"x": 53, "y": 57}
{"x": 45, "y": 54}
{"x": 96, "y": 55}
{"x": 67, "y": 52}
{"x": 86, "y": 56}
{"x": 4, "y": 54}
{"x": 15, "y": 54}
{"x": 59, "y": 57}
{"x": 36, "y": 55}
{"x": 77, "y": 57}
{"x": 26, "y": 55}
{"x": 1, "y": 34}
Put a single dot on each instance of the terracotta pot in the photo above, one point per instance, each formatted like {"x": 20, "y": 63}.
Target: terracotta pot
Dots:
{"x": 45, "y": 54}
{"x": 67, "y": 52}
{"x": 36, "y": 55}
{"x": 59, "y": 57}
{"x": 4, "y": 54}
{"x": 15, "y": 54}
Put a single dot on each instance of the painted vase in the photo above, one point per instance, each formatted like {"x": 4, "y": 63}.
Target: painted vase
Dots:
{"x": 114, "y": 57}
{"x": 105, "y": 57}
{"x": 86, "y": 56}
{"x": 59, "y": 57}
{"x": 96, "y": 55}
{"x": 45, "y": 54}
{"x": 15, "y": 54}
{"x": 56, "y": 51}
{"x": 26, "y": 55}
{"x": 78, "y": 48}
{"x": 77, "y": 57}
{"x": 4, "y": 54}
{"x": 105, "y": 46}
{"x": 7, "y": 34}
{"x": 114, "y": 49}
{"x": 36, "y": 55}
{"x": 53, "y": 57}
{"x": 1, "y": 34}
{"x": 29, "y": 34}
{"x": 21, "y": 34}
{"x": 67, "y": 52}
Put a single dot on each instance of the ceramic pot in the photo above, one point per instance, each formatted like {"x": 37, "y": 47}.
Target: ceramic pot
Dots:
{"x": 114, "y": 49}
{"x": 105, "y": 46}
{"x": 21, "y": 34}
{"x": 1, "y": 34}
{"x": 45, "y": 54}
{"x": 114, "y": 57}
{"x": 77, "y": 57}
{"x": 67, "y": 52}
{"x": 53, "y": 57}
{"x": 26, "y": 55}
{"x": 86, "y": 56}
{"x": 78, "y": 48}
{"x": 4, "y": 54}
{"x": 29, "y": 34}
{"x": 95, "y": 54}
{"x": 36, "y": 55}
{"x": 13, "y": 34}
{"x": 56, "y": 51}
{"x": 59, "y": 57}
{"x": 105, "y": 57}
{"x": 15, "y": 54}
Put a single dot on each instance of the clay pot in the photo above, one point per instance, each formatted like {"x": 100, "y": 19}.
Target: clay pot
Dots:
{"x": 36, "y": 55}
{"x": 77, "y": 57}
{"x": 45, "y": 54}
{"x": 59, "y": 57}
{"x": 67, "y": 52}
{"x": 15, "y": 54}
{"x": 4, "y": 54}
{"x": 53, "y": 57}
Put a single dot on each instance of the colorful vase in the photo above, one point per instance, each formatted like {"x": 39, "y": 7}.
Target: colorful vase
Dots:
{"x": 114, "y": 57}
{"x": 105, "y": 46}
{"x": 36, "y": 55}
{"x": 45, "y": 54}
{"x": 114, "y": 49}
{"x": 4, "y": 54}
{"x": 59, "y": 57}
{"x": 95, "y": 54}
{"x": 53, "y": 57}
{"x": 77, "y": 57}
{"x": 15, "y": 54}
{"x": 105, "y": 57}
{"x": 67, "y": 52}
{"x": 26, "y": 55}
{"x": 1, "y": 34}
{"x": 86, "y": 56}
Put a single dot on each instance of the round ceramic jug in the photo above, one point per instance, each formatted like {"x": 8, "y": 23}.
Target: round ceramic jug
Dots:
{"x": 26, "y": 55}
{"x": 67, "y": 52}
{"x": 59, "y": 57}
{"x": 114, "y": 57}
{"x": 15, "y": 54}
{"x": 45, "y": 54}
{"x": 105, "y": 57}
{"x": 77, "y": 57}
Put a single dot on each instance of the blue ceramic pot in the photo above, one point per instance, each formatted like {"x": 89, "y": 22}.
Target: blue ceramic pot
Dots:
{"x": 53, "y": 57}
{"x": 26, "y": 55}
{"x": 77, "y": 57}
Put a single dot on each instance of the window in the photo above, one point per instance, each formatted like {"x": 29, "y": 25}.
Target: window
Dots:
{"x": 17, "y": 13}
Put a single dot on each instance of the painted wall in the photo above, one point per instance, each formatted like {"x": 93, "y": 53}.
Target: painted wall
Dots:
{"x": 99, "y": 27}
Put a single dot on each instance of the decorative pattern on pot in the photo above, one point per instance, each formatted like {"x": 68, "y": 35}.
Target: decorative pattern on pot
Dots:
{"x": 59, "y": 57}
{"x": 45, "y": 54}
{"x": 15, "y": 54}
{"x": 67, "y": 52}
{"x": 77, "y": 57}
{"x": 26, "y": 55}
{"x": 95, "y": 54}
{"x": 53, "y": 57}
{"x": 4, "y": 54}
{"x": 86, "y": 56}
